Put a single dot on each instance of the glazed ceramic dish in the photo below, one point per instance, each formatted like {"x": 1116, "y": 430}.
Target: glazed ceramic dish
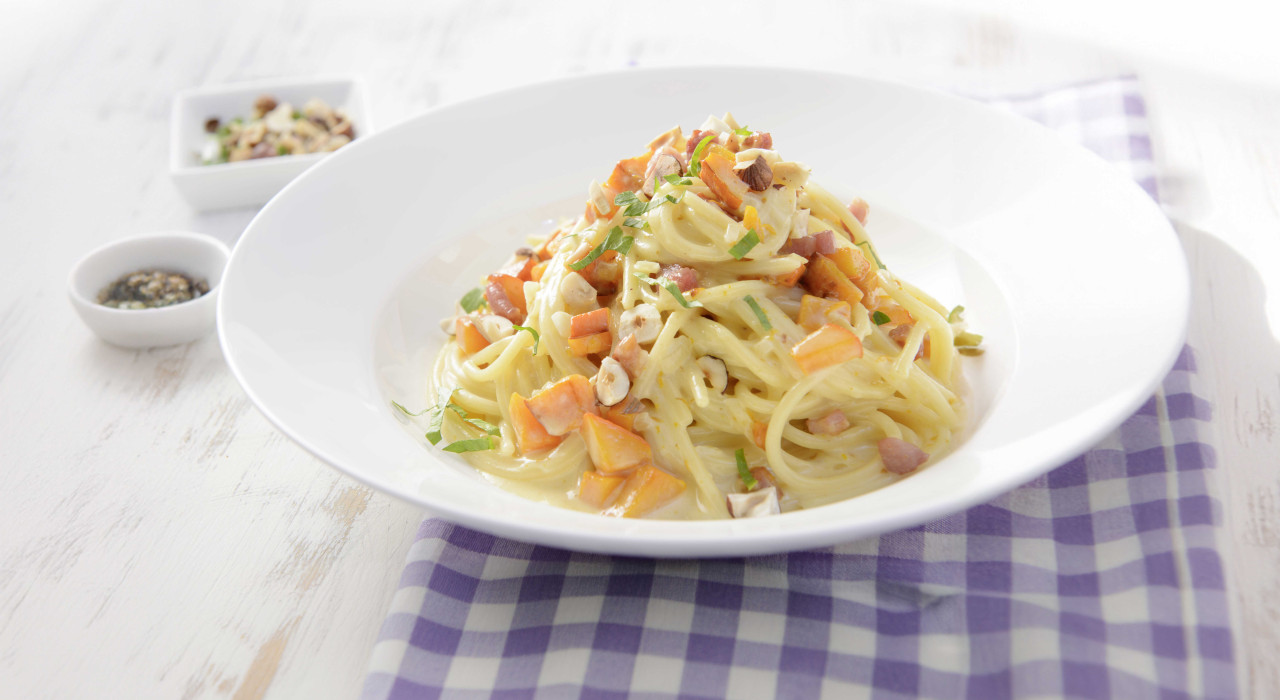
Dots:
{"x": 331, "y": 302}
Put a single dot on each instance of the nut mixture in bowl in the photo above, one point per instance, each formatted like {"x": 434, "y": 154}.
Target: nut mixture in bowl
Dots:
{"x": 277, "y": 129}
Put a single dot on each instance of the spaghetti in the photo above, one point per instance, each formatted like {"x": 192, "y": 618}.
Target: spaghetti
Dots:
{"x": 714, "y": 336}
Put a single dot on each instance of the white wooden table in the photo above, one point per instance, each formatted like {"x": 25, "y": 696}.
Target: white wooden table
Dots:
{"x": 160, "y": 539}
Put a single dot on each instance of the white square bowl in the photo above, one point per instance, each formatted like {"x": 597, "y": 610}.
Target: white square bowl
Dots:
{"x": 251, "y": 182}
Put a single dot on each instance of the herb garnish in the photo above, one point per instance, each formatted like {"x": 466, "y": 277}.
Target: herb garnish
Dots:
{"x": 695, "y": 162}
{"x": 760, "y": 315}
{"x": 675, "y": 292}
{"x": 744, "y": 472}
{"x": 472, "y": 300}
{"x": 437, "y": 415}
{"x": 614, "y": 241}
{"x": 956, "y": 315}
{"x": 635, "y": 222}
{"x": 536, "y": 338}
{"x": 409, "y": 413}
{"x": 677, "y": 180}
{"x": 476, "y": 445}
{"x": 745, "y": 244}
{"x": 880, "y": 318}
{"x": 744, "y": 131}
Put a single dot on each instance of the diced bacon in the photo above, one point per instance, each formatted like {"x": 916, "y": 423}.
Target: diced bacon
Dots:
{"x": 859, "y": 208}
{"x": 765, "y": 479}
{"x": 805, "y": 246}
{"x": 900, "y": 456}
{"x": 830, "y": 424}
{"x": 695, "y": 138}
{"x": 823, "y": 242}
{"x": 899, "y": 335}
{"x": 760, "y": 139}
{"x": 630, "y": 355}
{"x": 686, "y": 278}
{"x": 498, "y": 293}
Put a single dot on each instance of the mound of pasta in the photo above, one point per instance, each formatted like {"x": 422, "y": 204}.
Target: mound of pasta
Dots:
{"x": 715, "y": 336}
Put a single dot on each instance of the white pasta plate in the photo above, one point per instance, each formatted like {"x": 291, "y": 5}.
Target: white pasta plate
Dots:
{"x": 331, "y": 302}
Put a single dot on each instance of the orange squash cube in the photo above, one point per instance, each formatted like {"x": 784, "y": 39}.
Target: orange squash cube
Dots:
{"x": 759, "y": 431}
{"x": 829, "y": 345}
{"x": 824, "y": 279}
{"x": 790, "y": 279}
{"x": 597, "y": 489}
{"x": 613, "y": 448}
{"x": 468, "y": 336}
{"x": 589, "y": 323}
{"x": 645, "y": 491}
{"x": 561, "y": 406}
{"x": 816, "y": 312}
{"x": 617, "y": 415}
{"x": 591, "y": 344}
{"x": 537, "y": 271}
{"x": 718, "y": 174}
{"x": 530, "y": 435}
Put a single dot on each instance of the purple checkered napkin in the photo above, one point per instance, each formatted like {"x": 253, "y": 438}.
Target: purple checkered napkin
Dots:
{"x": 1100, "y": 579}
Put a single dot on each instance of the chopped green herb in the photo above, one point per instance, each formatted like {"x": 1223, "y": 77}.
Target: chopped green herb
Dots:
{"x": 970, "y": 351}
{"x": 956, "y": 315}
{"x": 614, "y": 241}
{"x": 476, "y": 445}
{"x": 744, "y": 131}
{"x": 865, "y": 245}
{"x": 486, "y": 426}
{"x": 968, "y": 340}
{"x": 472, "y": 300}
{"x": 409, "y": 413}
{"x": 282, "y": 150}
{"x": 675, "y": 292}
{"x": 638, "y": 207}
{"x": 224, "y": 131}
{"x": 745, "y": 244}
{"x": 535, "y": 336}
{"x": 880, "y": 318}
{"x": 744, "y": 472}
{"x": 635, "y": 222}
{"x": 695, "y": 162}
{"x": 677, "y": 180}
{"x": 437, "y": 415}
{"x": 297, "y": 114}
{"x": 755, "y": 306}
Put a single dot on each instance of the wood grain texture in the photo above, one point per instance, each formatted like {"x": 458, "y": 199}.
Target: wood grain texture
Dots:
{"x": 161, "y": 539}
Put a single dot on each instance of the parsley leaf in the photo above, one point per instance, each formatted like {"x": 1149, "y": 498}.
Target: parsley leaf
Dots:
{"x": 535, "y": 336}
{"x": 744, "y": 131}
{"x": 614, "y": 241}
{"x": 745, "y": 244}
{"x": 437, "y": 416}
{"x": 880, "y": 318}
{"x": 472, "y": 300}
{"x": 677, "y": 180}
{"x": 760, "y": 315}
{"x": 476, "y": 445}
{"x": 675, "y": 292}
{"x": 744, "y": 472}
{"x": 635, "y": 222}
{"x": 695, "y": 162}
{"x": 409, "y": 413}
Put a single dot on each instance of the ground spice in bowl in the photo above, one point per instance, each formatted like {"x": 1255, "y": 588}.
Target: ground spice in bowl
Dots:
{"x": 149, "y": 289}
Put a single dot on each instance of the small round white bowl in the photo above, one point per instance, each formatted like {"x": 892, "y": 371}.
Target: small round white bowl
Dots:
{"x": 192, "y": 254}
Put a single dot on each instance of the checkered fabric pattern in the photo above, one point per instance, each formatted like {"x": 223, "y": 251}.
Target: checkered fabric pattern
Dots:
{"x": 1100, "y": 579}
